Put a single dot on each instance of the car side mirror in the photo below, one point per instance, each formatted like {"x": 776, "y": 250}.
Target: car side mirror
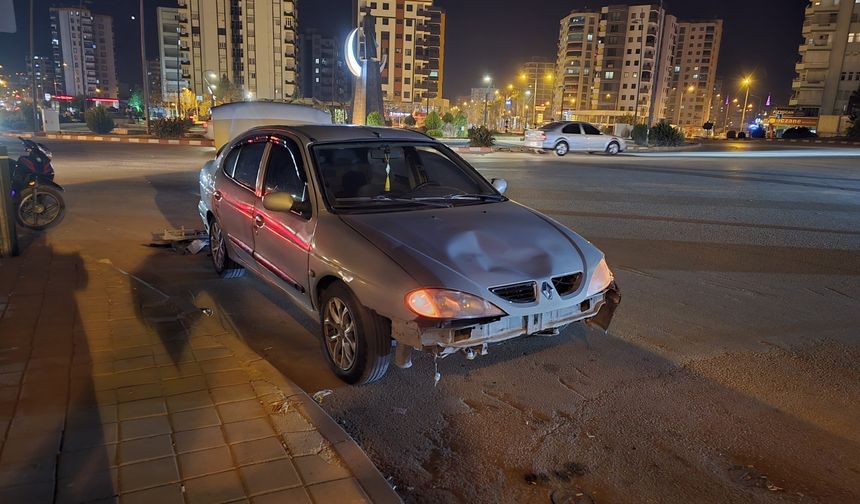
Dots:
{"x": 278, "y": 202}
{"x": 500, "y": 184}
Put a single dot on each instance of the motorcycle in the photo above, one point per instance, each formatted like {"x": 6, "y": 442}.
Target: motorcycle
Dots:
{"x": 38, "y": 199}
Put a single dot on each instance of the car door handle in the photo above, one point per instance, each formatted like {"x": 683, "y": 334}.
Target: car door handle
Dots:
{"x": 258, "y": 221}
{"x": 217, "y": 195}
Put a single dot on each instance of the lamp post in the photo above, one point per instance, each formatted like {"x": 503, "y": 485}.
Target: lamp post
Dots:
{"x": 143, "y": 70}
{"x": 746, "y": 83}
{"x": 489, "y": 81}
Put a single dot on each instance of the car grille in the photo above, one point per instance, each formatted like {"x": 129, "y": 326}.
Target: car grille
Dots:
{"x": 516, "y": 293}
{"x": 567, "y": 284}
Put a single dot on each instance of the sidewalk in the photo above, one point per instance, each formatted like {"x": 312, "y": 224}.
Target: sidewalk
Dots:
{"x": 112, "y": 391}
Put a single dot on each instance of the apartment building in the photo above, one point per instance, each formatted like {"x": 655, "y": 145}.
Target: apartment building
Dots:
{"x": 171, "y": 56}
{"x": 829, "y": 67}
{"x": 410, "y": 35}
{"x": 539, "y": 77}
{"x": 83, "y": 52}
{"x": 694, "y": 72}
{"x": 253, "y": 43}
{"x": 323, "y": 73}
{"x": 623, "y": 61}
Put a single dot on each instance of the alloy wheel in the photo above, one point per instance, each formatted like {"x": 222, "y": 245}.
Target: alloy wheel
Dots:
{"x": 339, "y": 333}
{"x": 217, "y": 246}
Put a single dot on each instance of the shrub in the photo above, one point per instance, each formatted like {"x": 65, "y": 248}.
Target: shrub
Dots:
{"x": 664, "y": 135}
{"x": 798, "y": 132}
{"x": 374, "y": 119}
{"x": 608, "y": 129}
{"x": 433, "y": 121}
{"x": 742, "y": 136}
{"x": 640, "y": 134}
{"x": 481, "y": 137}
{"x": 389, "y": 122}
{"x": 732, "y": 134}
{"x": 410, "y": 120}
{"x": 448, "y": 118}
{"x": 435, "y": 133}
{"x": 98, "y": 120}
{"x": 169, "y": 127}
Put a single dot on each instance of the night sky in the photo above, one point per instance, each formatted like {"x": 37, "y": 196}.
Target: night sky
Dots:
{"x": 492, "y": 36}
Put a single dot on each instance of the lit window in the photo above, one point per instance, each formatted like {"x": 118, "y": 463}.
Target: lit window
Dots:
{"x": 609, "y": 75}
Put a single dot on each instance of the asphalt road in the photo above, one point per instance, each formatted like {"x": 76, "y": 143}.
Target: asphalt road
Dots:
{"x": 731, "y": 372}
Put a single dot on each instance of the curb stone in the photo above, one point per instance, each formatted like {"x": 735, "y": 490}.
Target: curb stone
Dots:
{"x": 116, "y": 139}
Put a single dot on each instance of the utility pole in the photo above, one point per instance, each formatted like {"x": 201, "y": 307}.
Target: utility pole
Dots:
{"x": 36, "y": 127}
{"x": 658, "y": 67}
{"x": 746, "y": 83}
{"x": 143, "y": 68}
{"x": 643, "y": 28}
{"x": 8, "y": 238}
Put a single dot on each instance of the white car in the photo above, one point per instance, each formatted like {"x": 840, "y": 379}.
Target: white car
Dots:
{"x": 565, "y": 136}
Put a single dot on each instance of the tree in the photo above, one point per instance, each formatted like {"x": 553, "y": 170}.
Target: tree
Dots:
{"x": 374, "y": 119}
{"x": 433, "y": 121}
{"x": 854, "y": 114}
{"x": 410, "y": 120}
{"x": 227, "y": 91}
{"x": 188, "y": 106}
{"x": 448, "y": 118}
{"x": 135, "y": 101}
{"x": 98, "y": 120}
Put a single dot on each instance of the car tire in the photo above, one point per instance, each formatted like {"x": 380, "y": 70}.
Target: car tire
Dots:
{"x": 613, "y": 148}
{"x": 370, "y": 338}
{"x": 221, "y": 261}
{"x": 561, "y": 149}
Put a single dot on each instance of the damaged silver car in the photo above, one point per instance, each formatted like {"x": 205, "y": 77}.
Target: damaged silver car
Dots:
{"x": 396, "y": 244}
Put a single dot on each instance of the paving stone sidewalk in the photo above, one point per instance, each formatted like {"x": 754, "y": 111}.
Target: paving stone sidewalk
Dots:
{"x": 112, "y": 391}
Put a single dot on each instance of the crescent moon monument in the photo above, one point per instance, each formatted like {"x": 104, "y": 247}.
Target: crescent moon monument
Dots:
{"x": 360, "y": 55}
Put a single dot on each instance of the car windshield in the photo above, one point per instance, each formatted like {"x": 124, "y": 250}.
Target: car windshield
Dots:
{"x": 383, "y": 176}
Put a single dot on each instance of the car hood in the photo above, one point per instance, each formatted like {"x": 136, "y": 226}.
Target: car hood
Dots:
{"x": 473, "y": 247}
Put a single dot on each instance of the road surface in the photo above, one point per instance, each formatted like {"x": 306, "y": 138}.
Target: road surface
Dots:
{"x": 731, "y": 372}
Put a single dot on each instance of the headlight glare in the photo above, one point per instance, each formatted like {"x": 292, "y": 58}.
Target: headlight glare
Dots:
{"x": 448, "y": 304}
{"x": 600, "y": 278}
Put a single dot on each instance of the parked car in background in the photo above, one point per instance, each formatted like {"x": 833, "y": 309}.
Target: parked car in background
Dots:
{"x": 799, "y": 132}
{"x": 565, "y": 136}
{"x": 388, "y": 236}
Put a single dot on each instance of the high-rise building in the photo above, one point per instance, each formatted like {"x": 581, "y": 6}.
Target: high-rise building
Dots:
{"x": 323, "y": 72}
{"x": 624, "y": 60}
{"x": 577, "y": 51}
{"x": 46, "y": 82}
{"x": 829, "y": 67}
{"x": 694, "y": 71}
{"x": 410, "y": 35}
{"x": 539, "y": 77}
{"x": 153, "y": 80}
{"x": 171, "y": 55}
{"x": 83, "y": 52}
{"x": 252, "y": 43}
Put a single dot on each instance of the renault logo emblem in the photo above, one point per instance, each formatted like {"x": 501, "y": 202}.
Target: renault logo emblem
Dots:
{"x": 546, "y": 290}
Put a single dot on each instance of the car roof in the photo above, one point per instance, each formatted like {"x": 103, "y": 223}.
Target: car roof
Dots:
{"x": 346, "y": 132}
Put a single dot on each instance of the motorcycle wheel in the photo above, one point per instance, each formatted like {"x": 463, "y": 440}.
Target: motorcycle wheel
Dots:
{"x": 40, "y": 207}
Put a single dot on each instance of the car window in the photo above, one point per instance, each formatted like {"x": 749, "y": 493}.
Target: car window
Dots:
{"x": 285, "y": 172}
{"x": 373, "y": 174}
{"x": 572, "y": 129}
{"x": 230, "y": 161}
{"x": 550, "y": 126}
{"x": 590, "y": 130}
{"x": 248, "y": 164}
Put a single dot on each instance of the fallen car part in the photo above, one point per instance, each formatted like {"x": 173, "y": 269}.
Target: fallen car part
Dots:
{"x": 403, "y": 355}
{"x": 320, "y": 395}
{"x": 607, "y": 310}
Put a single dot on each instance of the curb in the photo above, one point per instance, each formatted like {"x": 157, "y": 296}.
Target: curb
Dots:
{"x": 362, "y": 468}
{"x": 475, "y": 149}
{"x": 813, "y": 140}
{"x": 115, "y": 139}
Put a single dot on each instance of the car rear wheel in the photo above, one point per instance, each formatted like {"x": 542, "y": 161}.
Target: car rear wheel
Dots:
{"x": 613, "y": 148}
{"x": 355, "y": 340}
{"x": 561, "y": 149}
{"x": 224, "y": 266}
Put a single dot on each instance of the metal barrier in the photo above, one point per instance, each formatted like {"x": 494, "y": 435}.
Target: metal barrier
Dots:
{"x": 8, "y": 237}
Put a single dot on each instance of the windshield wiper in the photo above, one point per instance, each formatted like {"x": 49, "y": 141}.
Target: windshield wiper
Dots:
{"x": 381, "y": 197}
{"x": 467, "y": 196}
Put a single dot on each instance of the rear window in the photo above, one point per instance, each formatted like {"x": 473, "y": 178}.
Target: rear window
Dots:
{"x": 550, "y": 126}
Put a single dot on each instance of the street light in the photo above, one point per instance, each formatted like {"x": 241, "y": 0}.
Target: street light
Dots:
{"x": 488, "y": 81}
{"x": 745, "y": 83}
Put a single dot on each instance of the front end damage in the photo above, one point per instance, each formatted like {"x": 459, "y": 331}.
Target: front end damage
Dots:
{"x": 473, "y": 337}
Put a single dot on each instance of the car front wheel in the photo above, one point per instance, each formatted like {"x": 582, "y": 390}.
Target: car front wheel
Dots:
{"x": 613, "y": 148}
{"x": 355, "y": 340}
{"x": 221, "y": 262}
{"x": 561, "y": 149}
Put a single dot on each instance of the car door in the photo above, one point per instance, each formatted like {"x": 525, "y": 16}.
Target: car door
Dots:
{"x": 594, "y": 140}
{"x": 236, "y": 194}
{"x": 282, "y": 239}
{"x": 574, "y": 137}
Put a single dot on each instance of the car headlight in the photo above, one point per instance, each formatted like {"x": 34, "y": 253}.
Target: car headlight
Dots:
{"x": 448, "y": 304}
{"x": 600, "y": 279}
